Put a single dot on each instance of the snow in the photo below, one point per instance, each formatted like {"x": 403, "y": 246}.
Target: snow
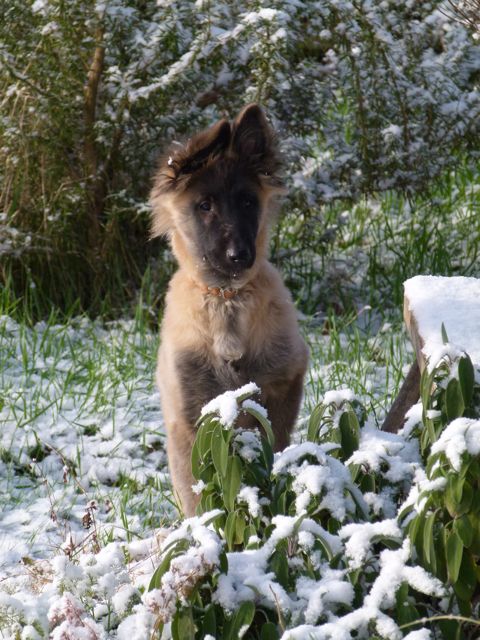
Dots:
{"x": 379, "y": 449}
{"x": 84, "y": 577}
{"x": 248, "y": 445}
{"x": 320, "y": 595}
{"x": 421, "y": 488}
{"x": 453, "y": 301}
{"x": 250, "y": 496}
{"x": 460, "y": 436}
{"x": 198, "y": 487}
{"x": 338, "y": 397}
{"x": 227, "y": 405}
{"x": 361, "y": 536}
{"x": 326, "y": 480}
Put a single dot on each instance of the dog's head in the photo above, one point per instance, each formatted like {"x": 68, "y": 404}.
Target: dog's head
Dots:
{"x": 213, "y": 198}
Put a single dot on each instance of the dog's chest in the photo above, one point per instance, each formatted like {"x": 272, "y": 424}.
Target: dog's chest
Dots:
{"x": 228, "y": 328}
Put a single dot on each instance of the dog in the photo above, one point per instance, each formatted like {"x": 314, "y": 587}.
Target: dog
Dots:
{"x": 229, "y": 319}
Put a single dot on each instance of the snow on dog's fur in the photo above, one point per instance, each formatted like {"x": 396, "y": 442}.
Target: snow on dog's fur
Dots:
{"x": 229, "y": 319}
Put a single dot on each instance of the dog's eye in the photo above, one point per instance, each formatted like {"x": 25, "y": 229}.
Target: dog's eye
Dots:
{"x": 205, "y": 205}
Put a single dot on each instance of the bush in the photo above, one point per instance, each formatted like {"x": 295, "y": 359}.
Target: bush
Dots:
{"x": 363, "y": 94}
{"x": 352, "y": 533}
{"x": 445, "y": 529}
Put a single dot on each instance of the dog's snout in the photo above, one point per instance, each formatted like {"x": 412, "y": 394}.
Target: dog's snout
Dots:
{"x": 239, "y": 254}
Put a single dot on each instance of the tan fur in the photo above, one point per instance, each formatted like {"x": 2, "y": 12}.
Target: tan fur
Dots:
{"x": 197, "y": 332}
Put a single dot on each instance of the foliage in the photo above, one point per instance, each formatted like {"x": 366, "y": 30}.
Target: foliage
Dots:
{"x": 446, "y": 527}
{"x": 299, "y": 553}
{"x": 363, "y": 95}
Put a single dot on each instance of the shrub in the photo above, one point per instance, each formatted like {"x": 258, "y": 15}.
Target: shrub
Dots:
{"x": 299, "y": 545}
{"x": 364, "y": 95}
{"x": 445, "y": 529}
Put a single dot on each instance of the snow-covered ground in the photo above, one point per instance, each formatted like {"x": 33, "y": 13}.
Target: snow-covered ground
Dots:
{"x": 84, "y": 484}
{"x": 80, "y": 422}
{"x": 86, "y": 498}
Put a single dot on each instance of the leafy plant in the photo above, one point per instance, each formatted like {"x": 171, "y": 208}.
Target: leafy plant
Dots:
{"x": 445, "y": 529}
{"x": 282, "y": 541}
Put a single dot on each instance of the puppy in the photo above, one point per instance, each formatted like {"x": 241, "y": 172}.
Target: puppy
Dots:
{"x": 228, "y": 319}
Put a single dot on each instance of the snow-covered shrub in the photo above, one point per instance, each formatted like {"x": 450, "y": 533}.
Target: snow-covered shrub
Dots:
{"x": 288, "y": 545}
{"x": 305, "y": 543}
{"x": 445, "y": 527}
{"x": 365, "y": 95}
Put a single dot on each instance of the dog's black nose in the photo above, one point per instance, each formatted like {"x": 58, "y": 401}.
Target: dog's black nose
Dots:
{"x": 238, "y": 255}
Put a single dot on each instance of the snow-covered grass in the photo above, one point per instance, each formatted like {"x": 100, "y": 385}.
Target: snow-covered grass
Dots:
{"x": 365, "y": 251}
{"x": 82, "y": 445}
{"x": 79, "y": 421}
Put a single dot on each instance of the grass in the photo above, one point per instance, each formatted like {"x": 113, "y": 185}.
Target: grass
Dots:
{"x": 79, "y": 396}
{"x": 358, "y": 254}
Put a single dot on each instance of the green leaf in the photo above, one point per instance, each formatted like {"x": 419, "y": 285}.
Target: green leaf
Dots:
{"x": 219, "y": 451}
{"x": 279, "y": 565}
{"x": 240, "y": 525}
{"x": 467, "y": 579}
{"x": 444, "y": 334}
{"x": 249, "y": 532}
{"x": 315, "y": 422}
{"x": 172, "y": 551}
{"x": 196, "y": 461}
{"x": 204, "y": 436}
{"x": 467, "y": 499}
{"x": 458, "y": 495}
{"x": 441, "y": 554}
{"x": 415, "y": 532}
{"x": 474, "y": 520}
{"x": 406, "y": 613}
{"x": 232, "y": 481}
{"x": 235, "y": 528}
{"x": 428, "y": 543}
{"x": 183, "y": 627}
{"x": 454, "y": 551}
{"x": 269, "y": 632}
{"x": 267, "y": 456}
{"x": 230, "y": 530}
{"x": 349, "y": 431}
{"x": 264, "y": 422}
{"x": 426, "y": 382}
{"x": 241, "y": 620}
{"x": 454, "y": 403}
{"x": 466, "y": 378}
{"x": 455, "y": 485}
{"x": 223, "y": 562}
{"x": 209, "y": 622}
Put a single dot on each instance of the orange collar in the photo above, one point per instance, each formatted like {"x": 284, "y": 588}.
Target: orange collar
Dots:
{"x": 219, "y": 292}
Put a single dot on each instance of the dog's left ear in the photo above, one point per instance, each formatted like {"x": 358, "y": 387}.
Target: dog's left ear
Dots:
{"x": 176, "y": 168}
{"x": 254, "y": 141}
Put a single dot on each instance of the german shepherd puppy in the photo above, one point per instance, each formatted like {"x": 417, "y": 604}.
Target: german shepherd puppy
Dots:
{"x": 229, "y": 319}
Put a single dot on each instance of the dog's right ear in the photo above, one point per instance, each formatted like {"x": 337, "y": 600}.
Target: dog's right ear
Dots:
{"x": 178, "y": 165}
{"x": 204, "y": 145}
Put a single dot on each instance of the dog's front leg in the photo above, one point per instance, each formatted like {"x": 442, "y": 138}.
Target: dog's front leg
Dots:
{"x": 282, "y": 400}
{"x": 187, "y": 381}
{"x": 180, "y": 439}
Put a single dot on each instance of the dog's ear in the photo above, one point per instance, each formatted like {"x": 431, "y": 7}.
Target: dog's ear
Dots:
{"x": 253, "y": 140}
{"x": 177, "y": 166}
{"x": 204, "y": 145}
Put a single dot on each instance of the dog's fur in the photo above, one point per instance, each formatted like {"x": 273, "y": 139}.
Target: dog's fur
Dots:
{"x": 215, "y": 199}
